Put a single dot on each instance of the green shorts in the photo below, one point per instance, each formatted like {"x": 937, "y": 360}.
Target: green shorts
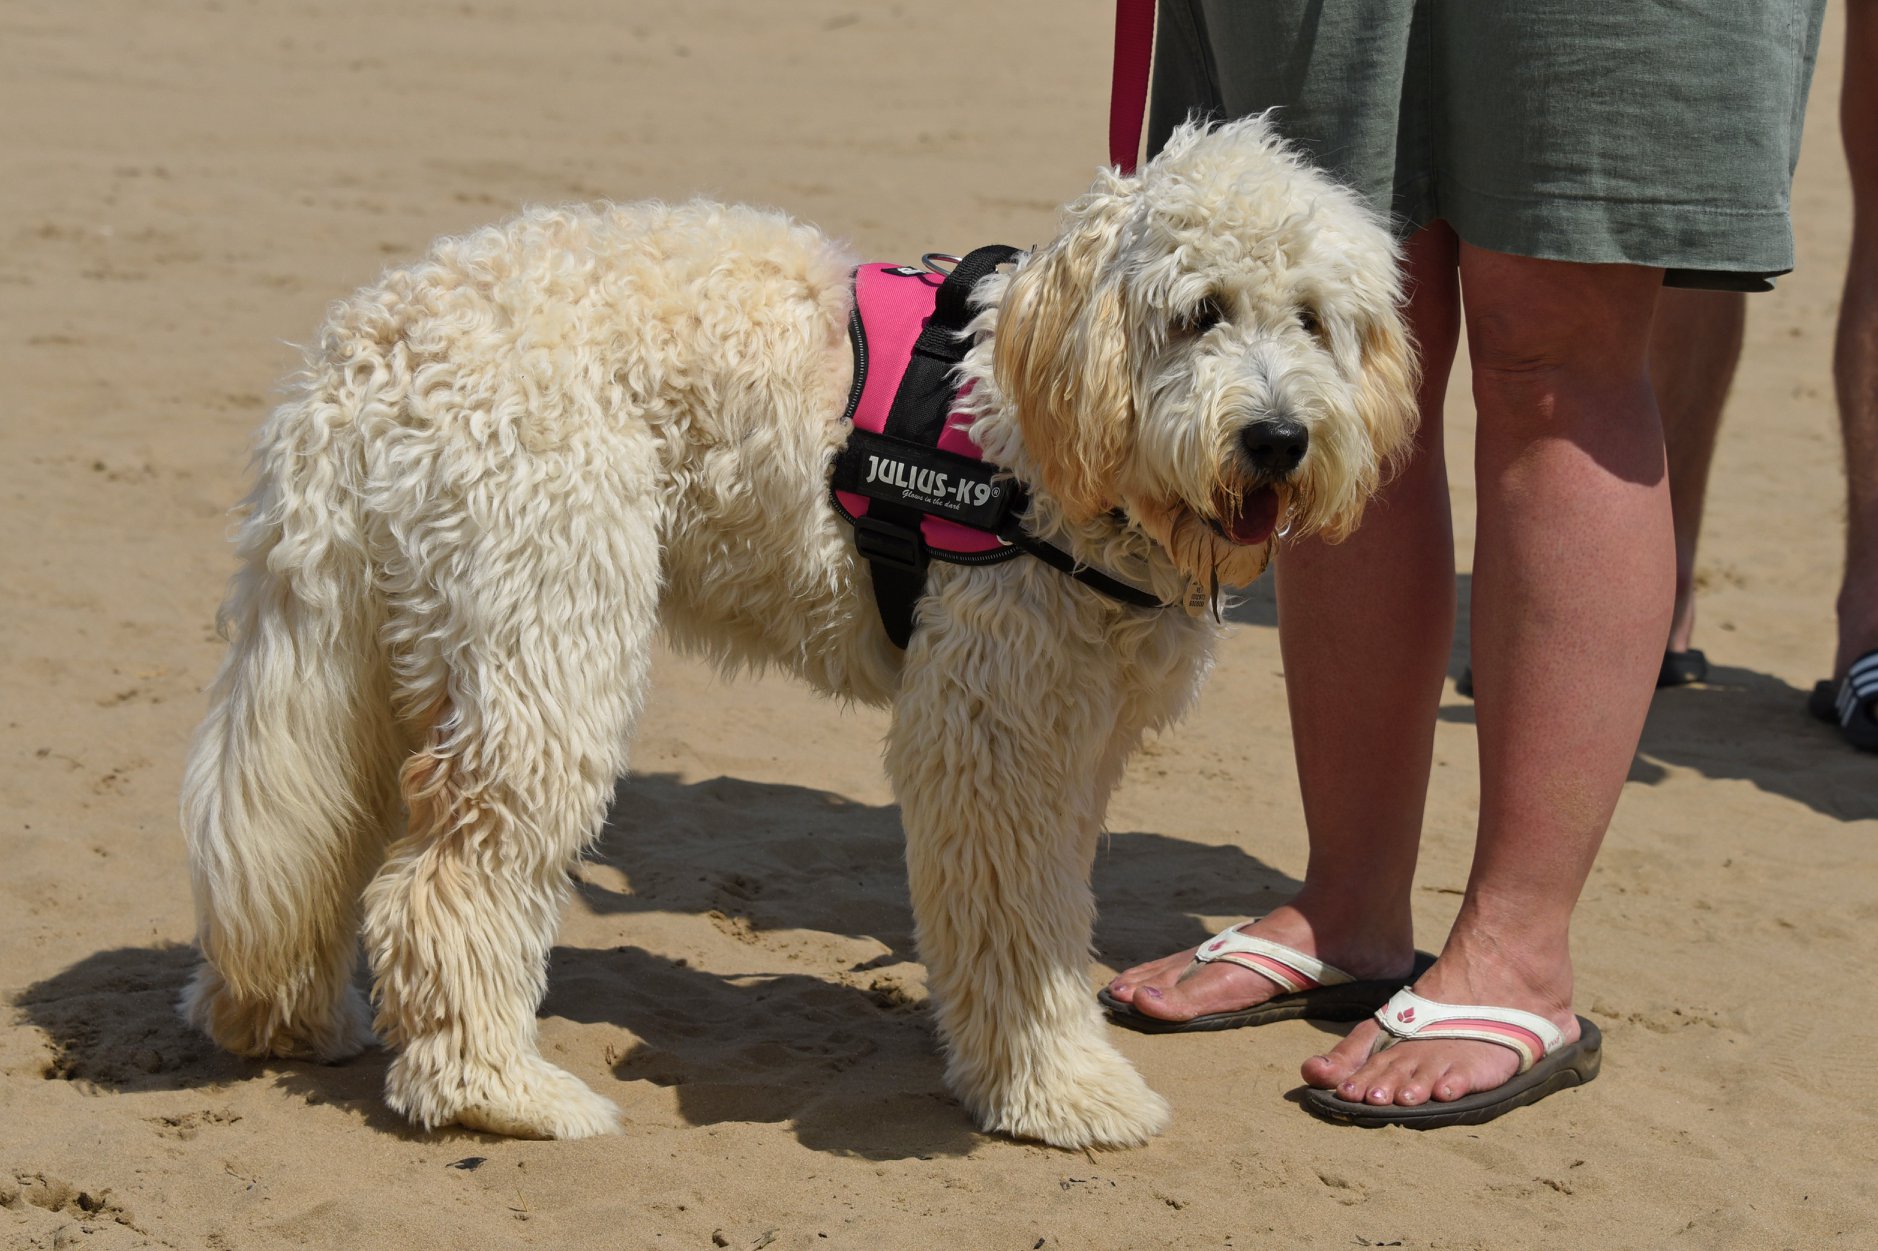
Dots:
{"x": 1641, "y": 133}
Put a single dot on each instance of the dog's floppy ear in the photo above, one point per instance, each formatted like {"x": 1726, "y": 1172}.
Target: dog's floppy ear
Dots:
{"x": 1386, "y": 398}
{"x": 1062, "y": 355}
{"x": 1385, "y": 369}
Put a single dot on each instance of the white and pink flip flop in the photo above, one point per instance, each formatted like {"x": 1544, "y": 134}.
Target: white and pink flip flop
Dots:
{"x": 1547, "y": 1063}
{"x": 1310, "y": 989}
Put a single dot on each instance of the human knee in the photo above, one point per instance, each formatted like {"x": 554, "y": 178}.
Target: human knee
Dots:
{"x": 1552, "y": 324}
{"x": 1531, "y": 367}
{"x": 1547, "y": 344}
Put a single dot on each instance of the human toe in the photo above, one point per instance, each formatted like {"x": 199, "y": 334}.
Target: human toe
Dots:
{"x": 1450, "y": 1086}
{"x": 1441, "y": 1070}
{"x": 1176, "y": 1003}
{"x": 1159, "y": 973}
{"x": 1384, "y": 1080}
{"x": 1402, "y": 1079}
{"x": 1212, "y": 988}
{"x": 1335, "y": 1067}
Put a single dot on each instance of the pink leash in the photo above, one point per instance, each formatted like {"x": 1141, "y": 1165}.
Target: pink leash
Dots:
{"x": 1128, "y": 91}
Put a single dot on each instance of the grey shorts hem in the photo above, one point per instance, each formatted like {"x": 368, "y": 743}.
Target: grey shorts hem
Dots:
{"x": 1695, "y": 246}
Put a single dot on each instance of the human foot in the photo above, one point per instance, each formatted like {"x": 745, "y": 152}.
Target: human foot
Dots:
{"x": 1547, "y": 1063}
{"x": 1851, "y": 702}
{"x": 1413, "y": 1073}
{"x": 1217, "y": 993}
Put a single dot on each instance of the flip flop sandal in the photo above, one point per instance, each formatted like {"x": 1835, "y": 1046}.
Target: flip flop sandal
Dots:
{"x": 1546, "y": 1062}
{"x": 1823, "y": 703}
{"x": 1311, "y": 989}
{"x": 1852, "y": 705}
{"x": 1679, "y": 669}
{"x": 1682, "y": 669}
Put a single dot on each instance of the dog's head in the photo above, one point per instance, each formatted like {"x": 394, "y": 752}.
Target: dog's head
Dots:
{"x": 1214, "y": 345}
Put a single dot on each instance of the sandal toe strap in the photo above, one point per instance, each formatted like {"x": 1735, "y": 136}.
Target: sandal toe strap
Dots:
{"x": 1409, "y": 1016}
{"x": 1290, "y": 968}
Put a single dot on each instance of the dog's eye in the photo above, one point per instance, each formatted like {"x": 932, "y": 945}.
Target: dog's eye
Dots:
{"x": 1307, "y": 318}
{"x": 1205, "y": 315}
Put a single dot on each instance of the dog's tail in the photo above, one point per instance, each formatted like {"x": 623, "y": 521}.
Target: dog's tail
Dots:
{"x": 291, "y": 776}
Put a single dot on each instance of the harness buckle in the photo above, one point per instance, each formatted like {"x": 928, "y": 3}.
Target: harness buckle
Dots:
{"x": 887, "y": 543}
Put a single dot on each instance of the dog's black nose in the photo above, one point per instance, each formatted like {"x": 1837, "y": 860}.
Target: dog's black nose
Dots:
{"x": 1275, "y": 445}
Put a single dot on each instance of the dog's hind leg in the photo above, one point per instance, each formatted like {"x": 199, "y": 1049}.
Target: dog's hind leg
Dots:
{"x": 541, "y": 632}
{"x": 290, "y": 779}
{"x": 1001, "y": 758}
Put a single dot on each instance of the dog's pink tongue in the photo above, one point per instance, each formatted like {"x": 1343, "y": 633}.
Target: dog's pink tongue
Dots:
{"x": 1256, "y": 519}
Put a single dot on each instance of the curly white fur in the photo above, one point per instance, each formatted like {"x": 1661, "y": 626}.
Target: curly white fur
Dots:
{"x": 505, "y": 467}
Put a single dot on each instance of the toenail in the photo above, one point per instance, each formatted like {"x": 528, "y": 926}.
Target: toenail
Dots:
{"x": 1150, "y": 992}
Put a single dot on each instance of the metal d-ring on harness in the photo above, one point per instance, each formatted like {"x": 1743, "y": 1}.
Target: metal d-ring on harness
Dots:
{"x": 905, "y": 477}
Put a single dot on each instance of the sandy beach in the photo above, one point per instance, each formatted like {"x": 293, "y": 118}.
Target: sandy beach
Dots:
{"x": 190, "y": 182}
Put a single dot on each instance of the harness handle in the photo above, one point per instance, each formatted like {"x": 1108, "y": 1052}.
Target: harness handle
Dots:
{"x": 953, "y": 309}
{"x": 920, "y": 406}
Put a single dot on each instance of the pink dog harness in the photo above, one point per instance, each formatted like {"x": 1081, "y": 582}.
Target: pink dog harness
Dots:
{"x": 910, "y": 479}
{"x": 962, "y": 501}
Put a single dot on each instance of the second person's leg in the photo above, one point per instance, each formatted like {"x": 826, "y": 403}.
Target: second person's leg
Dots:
{"x": 1695, "y": 343}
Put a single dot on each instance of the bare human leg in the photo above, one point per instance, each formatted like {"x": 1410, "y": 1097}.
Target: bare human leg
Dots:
{"x": 1365, "y": 628}
{"x": 1571, "y": 605}
{"x": 1695, "y": 344}
{"x": 1855, "y": 354}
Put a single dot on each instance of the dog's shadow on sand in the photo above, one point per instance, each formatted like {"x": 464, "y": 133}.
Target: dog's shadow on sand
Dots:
{"x": 846, "y": 1054}
{"x": 843, "y": 1053}
{"x": 111, "y": 1025}
{"x": 773, "y": 856}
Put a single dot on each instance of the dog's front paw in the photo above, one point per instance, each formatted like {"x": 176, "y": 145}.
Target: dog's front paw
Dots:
{"x": 545, "y": 1103}
{"x": 524, "y": 1098}
{"x": 1092, "y": 1098}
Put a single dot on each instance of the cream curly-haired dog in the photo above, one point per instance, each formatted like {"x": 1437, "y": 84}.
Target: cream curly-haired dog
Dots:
{"x": 508, "y": 466}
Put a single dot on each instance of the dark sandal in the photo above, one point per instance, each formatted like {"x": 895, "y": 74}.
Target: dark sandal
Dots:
{"x": 1852, "y": 704}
